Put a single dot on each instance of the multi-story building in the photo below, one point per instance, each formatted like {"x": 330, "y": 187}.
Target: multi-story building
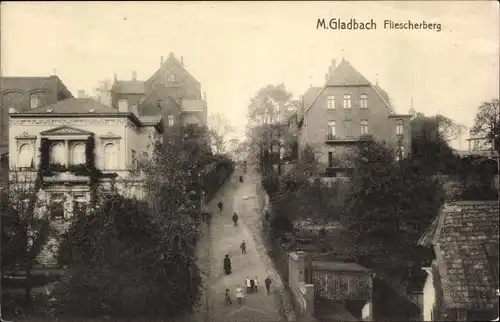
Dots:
{"x": 333, "y": 118}
{"x": 25, "y": 93}
{"x": 54, "y": 143}
{"x": 171, "y": 92}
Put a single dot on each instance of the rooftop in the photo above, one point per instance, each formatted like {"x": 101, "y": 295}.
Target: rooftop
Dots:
{"x": 73, "y": 106}
{"x": 463, "y": 236}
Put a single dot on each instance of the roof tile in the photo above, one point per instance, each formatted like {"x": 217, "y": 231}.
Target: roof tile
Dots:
{"x": 465, "y": 267}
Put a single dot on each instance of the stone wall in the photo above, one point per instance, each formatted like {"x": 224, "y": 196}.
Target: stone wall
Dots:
{"x": 302, "y": 292}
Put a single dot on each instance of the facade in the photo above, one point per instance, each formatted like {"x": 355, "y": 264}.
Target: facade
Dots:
{"x": 120, "y": 139}
{"x": 462, "y": 280}
{"x": 171, "y": 92}
{"x": 25, "y": 93}
{"x": 333, "y": 118}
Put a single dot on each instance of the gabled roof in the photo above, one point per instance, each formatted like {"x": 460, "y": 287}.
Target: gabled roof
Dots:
{"x": 65, "y": 130}
{"x": 129, "y": 87}
{"x": 461, "y": 235}
{"x": 73, "y": 106}
{"x": 152, "y": 109}
{"x": 346, "y": 75}
{"x": 171, "y": 58}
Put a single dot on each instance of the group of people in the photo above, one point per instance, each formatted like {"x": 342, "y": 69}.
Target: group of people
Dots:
{"x": 252, "y": 286}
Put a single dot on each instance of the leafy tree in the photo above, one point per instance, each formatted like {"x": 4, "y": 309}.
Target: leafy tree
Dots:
{"x": 430, "y": 148}
{"x": 25, "y": 227}
{"x": 487, "y": 124}
{"x": 127, "y": 260}
{"x": 267, "y": 112}
{"x": 389, "y": 205}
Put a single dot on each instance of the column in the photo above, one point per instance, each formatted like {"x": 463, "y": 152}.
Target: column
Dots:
{"x": 66, "y": 147}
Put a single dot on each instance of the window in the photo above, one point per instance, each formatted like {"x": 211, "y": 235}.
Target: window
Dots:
{"x": 331, "y": 129}
{"x": 25, "y": 156}
{"x": 363, "y": 101}
{"x": 400, "y": 152}
{"x": 34, "y": 101}
{"x": 330, "y": 159}
{"x": 348, "y": 128}
{"x": 399, "y": 127}
{"x": 78, "y": 154}
{"x": 171, "y": 77}
{"x": 123, "y": 105}
{"x": 57, "y": 152}
{"x": 347, "y": 101}
{"x": 80, "y": 202}
{"x": 330, "y": 100}
{"x": 57, "y": 206}
{"x": 170, "y": 120}
{"x": 364, "y": 127}
{"x": 110, "y": 157}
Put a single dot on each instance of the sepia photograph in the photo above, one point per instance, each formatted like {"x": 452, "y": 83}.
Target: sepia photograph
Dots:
{"x": 217, "y": 161}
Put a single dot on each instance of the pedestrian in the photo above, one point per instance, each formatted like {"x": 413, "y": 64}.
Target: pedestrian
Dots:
{"x": 252, "y": 285}
{"x": 256, "y": 284}
{"x": 235, "y": 219}
{"x": 268, "y": 284}
{"x": 249, "y": 286}
{"x": 243, "y": 247}
{"x": 239, "y": 295}
{"x": 220, "y": 205}
{"x": 227, "y": 265}
{"x": 228, "y": 297}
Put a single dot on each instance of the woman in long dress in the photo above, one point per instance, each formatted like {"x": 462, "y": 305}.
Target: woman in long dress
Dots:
{"x": 239, "y": 294}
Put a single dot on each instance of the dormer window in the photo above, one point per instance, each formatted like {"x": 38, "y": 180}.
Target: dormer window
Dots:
{"x": 170, "y": 120}
{"x": 171, "y": 78}
{"x": 34, "y": 101}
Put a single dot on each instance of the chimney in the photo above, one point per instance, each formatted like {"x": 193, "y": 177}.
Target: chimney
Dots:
{"x": 204, "y": 96}
{"x": 115, "y": 77}
{"x": 326, "y": 77}
{"x": 123, "y": 106}
{"x": 12, "y": 110}
{"x": 334, "y": 64}
{"x": 134, "y": 75}
{"x": 161, "y": 60}
{"x": 81, "y": 94}
{"x": 182, "y": 61}
{"x": 134, "y": 110}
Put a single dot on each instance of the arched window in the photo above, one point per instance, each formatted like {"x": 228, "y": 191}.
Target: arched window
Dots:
{"x": 171, "y": 77}
{"x": 78, "y": 154}
{"x": 364, "y": 127}
{"x": 110, "y": 157}
{"x": 363, "y": 101}
{"x": 25, "y": 156}
{"x": 57, "y": 152}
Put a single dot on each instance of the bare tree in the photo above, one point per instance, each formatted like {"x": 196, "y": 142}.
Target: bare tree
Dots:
{"x": 487, "y": 124}
{"x": 219, "y": 128}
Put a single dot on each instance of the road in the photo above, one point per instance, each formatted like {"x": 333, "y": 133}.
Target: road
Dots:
{"x": 226, "y": 239}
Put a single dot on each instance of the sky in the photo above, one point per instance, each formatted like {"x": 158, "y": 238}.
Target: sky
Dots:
{"x": 234, "y": 48}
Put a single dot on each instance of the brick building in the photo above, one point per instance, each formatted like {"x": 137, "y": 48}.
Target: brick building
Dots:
{"x": 345, "y": 110}
{"x": 171, "y": 92}
{"x": 26, "y": 93}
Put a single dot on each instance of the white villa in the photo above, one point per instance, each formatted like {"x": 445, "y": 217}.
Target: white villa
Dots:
{"x": 55, "y": 141}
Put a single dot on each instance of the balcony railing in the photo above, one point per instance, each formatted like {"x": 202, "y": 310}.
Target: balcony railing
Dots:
{"x": 331, "y": 137}
{"x": 335, "y": 138}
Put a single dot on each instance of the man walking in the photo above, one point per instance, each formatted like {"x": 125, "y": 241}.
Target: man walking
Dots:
{"x": 243, "y": 247}
{"x": 268, "y": 284}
